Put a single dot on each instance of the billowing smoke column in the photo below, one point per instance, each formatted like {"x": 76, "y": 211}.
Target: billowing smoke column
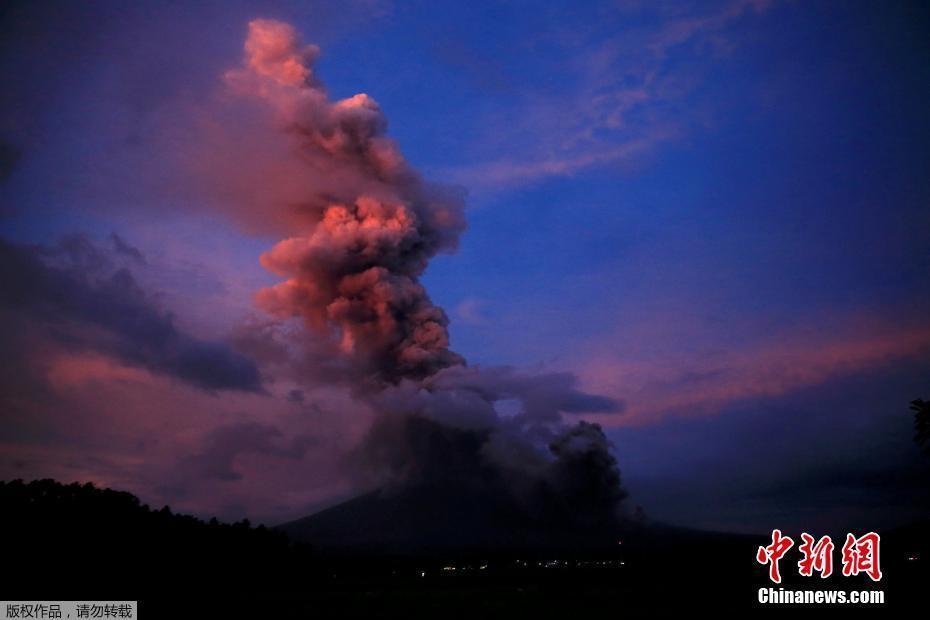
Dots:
{"x": 370, "y": 233}
{"x": 366, "y": 232}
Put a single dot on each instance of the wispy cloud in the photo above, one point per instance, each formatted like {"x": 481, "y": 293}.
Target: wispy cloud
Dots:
{"x": 616, "y": 99}
{"x": 470, "y": 311}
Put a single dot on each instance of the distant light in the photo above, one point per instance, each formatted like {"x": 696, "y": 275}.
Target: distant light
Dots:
{"x": 422, "y": 573}
{"x": 619, "y": 542}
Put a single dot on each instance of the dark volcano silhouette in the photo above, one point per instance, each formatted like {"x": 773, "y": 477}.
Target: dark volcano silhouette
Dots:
{"x": 445, "y": 517}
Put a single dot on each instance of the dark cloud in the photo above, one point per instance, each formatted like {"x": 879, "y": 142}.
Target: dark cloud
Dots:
{"x": 75, "y": 289}
{"x": 121, "y": 247}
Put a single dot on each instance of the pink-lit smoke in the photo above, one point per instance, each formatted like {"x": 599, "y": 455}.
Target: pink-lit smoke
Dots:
{"x": 366, "y": 232}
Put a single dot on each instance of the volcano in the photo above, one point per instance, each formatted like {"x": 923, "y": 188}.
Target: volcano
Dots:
{"x": 443, "y": 517}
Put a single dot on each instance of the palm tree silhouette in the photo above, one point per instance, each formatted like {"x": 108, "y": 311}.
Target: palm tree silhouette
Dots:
{"x": 921, "y": 409}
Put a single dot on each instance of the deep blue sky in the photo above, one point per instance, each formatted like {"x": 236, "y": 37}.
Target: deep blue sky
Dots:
{"x": 718, "y": 212}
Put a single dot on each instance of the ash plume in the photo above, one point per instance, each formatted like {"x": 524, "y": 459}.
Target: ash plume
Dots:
{"x": 367, "y": 232}
{"x": 360, "y": 237}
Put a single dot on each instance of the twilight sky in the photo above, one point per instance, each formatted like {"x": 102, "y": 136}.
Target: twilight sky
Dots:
{"x": 714, "y": 213}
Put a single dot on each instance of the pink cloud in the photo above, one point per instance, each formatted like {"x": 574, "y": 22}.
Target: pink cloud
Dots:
{"x": 655, "y": 385}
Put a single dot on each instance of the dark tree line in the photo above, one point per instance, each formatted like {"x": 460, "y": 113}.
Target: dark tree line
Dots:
{"x": 76, "y": 540}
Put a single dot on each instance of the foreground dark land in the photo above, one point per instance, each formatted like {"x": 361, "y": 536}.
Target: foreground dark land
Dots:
{"x": 67, "y": 542}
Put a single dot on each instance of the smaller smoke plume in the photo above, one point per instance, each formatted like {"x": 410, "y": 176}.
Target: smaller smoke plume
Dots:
{"x": 573, "y": 482}
{"x": 447, "y": 430}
